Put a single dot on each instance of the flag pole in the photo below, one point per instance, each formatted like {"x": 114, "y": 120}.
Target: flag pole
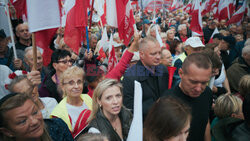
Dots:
{"x": 11, "y": 31}
{"x": 143, "y": 24}
{"x": 35, "y": 90}
{"x": 34, "y": 52}
{"x": 91, "y": 14}
{"x": 87, "y": 38}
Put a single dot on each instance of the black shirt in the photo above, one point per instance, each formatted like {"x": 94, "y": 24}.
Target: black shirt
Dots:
{"x": 200, "y": 110}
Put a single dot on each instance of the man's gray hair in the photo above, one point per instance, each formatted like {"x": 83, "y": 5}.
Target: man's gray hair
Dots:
{"x": 144, "y": 42}
{"x": 246, "y": 50}
{"x": 180, "y": 27}
{"x": 27, "y": 49}
{"x": 247, "y": 43}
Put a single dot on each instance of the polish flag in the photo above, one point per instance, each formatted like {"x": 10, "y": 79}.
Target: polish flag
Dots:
{"x": 223, "y": 10}
{"x": 215, "y": 32}
{"x": 238, "y": 15}
{"x": 188, "y": 7}
{"x": 103, "y": 40}
{"x": 76, "y": 21}
{"x": 100, "y": 7}
{"x": 125, "y": 20}
{"x": 208, "y": 6}
{"x": 44, "y": 23}
{"x": 21, "y": 8}
{"x": 196, "y": 22}
{"x": 232, "y": 6}
{"x": 112, "y": 60}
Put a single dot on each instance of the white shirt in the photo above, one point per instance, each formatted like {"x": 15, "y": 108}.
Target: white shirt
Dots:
{"x": 75, "y": 111}
{"x": 49, "y": 105}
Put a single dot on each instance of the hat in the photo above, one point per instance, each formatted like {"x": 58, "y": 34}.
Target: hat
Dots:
{"x": 194, "y": 42}
{"x": 230, "y": 40}
{"x": 146, "y": 21}
{"x": 2, "y": 34}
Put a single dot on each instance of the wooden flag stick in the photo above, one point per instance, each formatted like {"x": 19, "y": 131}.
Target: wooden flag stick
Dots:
{"x": 34, "y": 52}
{"x": 35, "y": 90}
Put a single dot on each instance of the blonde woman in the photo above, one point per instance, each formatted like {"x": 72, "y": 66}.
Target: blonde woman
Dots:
{"x": 75, "y": 107}
{"x": 108, "y": 116}
{"x": 228, "y": 110}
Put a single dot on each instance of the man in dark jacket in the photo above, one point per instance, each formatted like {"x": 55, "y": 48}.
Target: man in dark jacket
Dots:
{"x": 148, "y": 71}
{"x": 239, "y": 68}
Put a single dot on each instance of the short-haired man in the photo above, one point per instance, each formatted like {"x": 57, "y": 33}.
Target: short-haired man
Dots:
{"x": 166, "y": 57}
{"x": 193, "y": 90}
{"x": 22, "y": 32}
{"x": 239, "y": 68}
{"x": 28, "y": 59}
{"x": 148, "y": 71}
{"x": 183, "y": 32}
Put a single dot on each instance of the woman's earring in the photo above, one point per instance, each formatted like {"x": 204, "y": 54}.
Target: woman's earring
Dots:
{"x": 100, "y": 106}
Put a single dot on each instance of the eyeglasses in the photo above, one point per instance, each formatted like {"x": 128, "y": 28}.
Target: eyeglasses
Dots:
{"x": 73, "y": 83}
{"x": 67, "y": 61}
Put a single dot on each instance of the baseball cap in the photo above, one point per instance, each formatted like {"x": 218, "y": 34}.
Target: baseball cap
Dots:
{"x": 2, "y": 34}
{"x": 146, "y": 21}
{"x": 194, "y": 42}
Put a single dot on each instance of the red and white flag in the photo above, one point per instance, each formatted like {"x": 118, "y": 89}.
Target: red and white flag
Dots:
{"x": 44, "y": 23}
{"x": 208, "y": 6}
{"x": 100, "y": 7}
{"x": 232, "y": 6}
{"x": 103, "y": 41}
{"x": 188, "y": 7}
{"x": 215, "y": 32}
{"x": 238, "y": 15}
{"x": 223, "y": 10}
{"x": 112, "y": 61}
{"x": 125, "y": 20}
{"x": 76, "y": 21}
{"x": 21, "y": 8}
{"x": 196, "y": 22}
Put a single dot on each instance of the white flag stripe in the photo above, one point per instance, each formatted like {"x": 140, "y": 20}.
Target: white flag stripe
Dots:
{"x": 136, "y": 128}
{"x": 111, "y": 16}
{"x": 43, "y": 14}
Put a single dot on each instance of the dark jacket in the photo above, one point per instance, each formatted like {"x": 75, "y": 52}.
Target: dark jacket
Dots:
{"x": 238, "y": 69}
{"x": 49, "y": 89}
{"x": 103, "y": 125}
{"x": 153, "y": 85}
{"x": 231, "y": 129}
{"x": 207, "y": 33}
{"x": 58, "y": 130}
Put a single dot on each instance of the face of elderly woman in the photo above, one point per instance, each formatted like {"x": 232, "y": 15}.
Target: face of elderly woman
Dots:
{"x": 73, "y": 85}
{"x": 63, "y": 64}
{"x": 111, "y": 101}
{"x": 25, "y": 122}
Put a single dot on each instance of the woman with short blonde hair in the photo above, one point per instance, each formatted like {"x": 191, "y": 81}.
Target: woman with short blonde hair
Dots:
{"x": 75, "y": 107}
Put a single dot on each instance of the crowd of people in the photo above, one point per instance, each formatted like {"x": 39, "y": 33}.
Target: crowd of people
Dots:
{"x": 77, "y": 96}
